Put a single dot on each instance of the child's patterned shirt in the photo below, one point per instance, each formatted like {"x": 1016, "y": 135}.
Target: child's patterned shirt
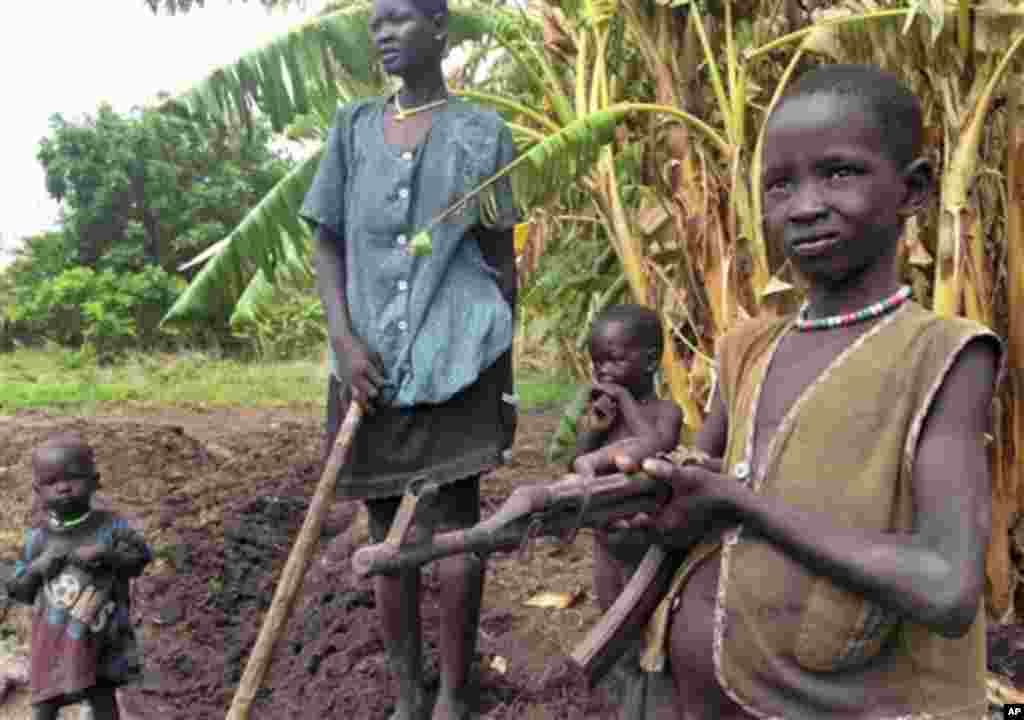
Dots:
{"x": 81, "y": 628}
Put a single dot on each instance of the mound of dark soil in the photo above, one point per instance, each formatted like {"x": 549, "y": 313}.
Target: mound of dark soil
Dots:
{"x": 220, "y": 496}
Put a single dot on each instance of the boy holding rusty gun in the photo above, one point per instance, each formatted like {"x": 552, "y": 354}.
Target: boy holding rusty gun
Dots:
{"x": 840, "y": 568}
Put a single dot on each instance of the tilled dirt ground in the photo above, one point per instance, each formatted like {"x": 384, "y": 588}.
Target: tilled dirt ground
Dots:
{"x": 220, "y": 496}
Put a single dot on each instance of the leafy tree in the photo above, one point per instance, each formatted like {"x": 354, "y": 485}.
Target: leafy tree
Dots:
{"x": 151, "y": 188}
{"x": 109, "y": 311}
{"x": 141, "y": 193}
{"x": 37, "y": 258}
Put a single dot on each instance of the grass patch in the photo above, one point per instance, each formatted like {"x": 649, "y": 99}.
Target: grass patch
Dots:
{"x": 71, "y": 382}
{"x": 543, "y": 392}
{"x": 65, "y": 380}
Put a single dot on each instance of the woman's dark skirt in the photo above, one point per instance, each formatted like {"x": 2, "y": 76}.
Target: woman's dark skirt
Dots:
{"x": 460, "y": 438}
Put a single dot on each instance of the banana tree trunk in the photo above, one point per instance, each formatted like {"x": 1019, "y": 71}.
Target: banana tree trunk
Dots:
{"x": 1007, "y": 483}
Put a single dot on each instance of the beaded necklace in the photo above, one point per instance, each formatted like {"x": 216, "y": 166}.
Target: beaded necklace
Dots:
{"x": 402, "y": 113}
{"x": 871, "y": 311}
{"x": 57, "y": 524}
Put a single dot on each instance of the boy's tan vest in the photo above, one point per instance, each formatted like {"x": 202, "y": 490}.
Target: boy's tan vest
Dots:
{"x": 790, "y": 644}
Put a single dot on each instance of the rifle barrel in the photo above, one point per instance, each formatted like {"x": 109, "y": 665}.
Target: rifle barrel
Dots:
{"x": 607, "y": 499}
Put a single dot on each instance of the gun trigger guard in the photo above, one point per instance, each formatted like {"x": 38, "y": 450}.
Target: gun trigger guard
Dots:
{"x": 533, "y": 530}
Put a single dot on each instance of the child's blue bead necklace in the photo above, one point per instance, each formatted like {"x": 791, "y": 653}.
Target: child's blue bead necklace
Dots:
{"x": 871, "y": 311}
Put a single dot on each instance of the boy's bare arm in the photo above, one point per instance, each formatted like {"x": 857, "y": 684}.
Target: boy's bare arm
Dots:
{"x": 662, "y": 435}
{"x": 587, "y": 442}
{"x": 593, "y": 428}
{"x": 127, "y": 555}
{"x": 632, "y": 416}
{"x": 934, "y": 575}
{"x": 603, "y": 459}
{"x": 679, "y": 522}
{"x": 24, "y": 587}
{"x": 128, "y": 560}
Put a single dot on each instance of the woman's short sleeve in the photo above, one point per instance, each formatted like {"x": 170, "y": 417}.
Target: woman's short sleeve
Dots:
{"x": 506, "y": 213}
{"x": 325, "y": 202}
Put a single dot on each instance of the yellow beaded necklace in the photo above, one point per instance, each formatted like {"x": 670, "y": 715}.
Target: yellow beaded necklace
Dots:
{"x": 402, "y": 113}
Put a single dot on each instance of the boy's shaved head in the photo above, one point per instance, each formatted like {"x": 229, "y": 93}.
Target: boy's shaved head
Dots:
{"x": 68, "y": 449}
{"x": 894, "y": 107}
{"x": 643, "y": 323}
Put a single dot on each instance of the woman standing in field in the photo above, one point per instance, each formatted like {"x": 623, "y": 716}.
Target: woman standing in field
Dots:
{"x": 423, "y": 342}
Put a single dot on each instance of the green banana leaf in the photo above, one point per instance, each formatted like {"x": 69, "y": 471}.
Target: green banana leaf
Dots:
{"x": 269, "y": 235}
{"x": 324, "y": 61}
{"x": 294, "y": 272}
{"x": 563, "y": 443}
{"x": 547, "y": 167}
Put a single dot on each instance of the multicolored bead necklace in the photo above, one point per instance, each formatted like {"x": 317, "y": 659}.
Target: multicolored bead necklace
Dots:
{"x": 871, "y": 311}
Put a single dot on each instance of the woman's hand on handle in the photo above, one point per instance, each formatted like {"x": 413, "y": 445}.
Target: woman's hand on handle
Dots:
{"x": 365, "y": 371}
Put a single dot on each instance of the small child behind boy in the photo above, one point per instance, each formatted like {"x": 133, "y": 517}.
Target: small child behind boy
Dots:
{"x": 624, "y": 414}
{"x": 76, "y": 573}
{"x": 626, "y": 345}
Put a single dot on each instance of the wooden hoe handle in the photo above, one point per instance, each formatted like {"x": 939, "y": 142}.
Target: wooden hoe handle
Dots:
{"x": 294, "y": 570}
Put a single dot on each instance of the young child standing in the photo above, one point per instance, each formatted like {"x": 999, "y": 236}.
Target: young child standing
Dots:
{"x": 626, "y": 345}
{"x": 624, "y": 415}
{"x": 841, "y": 563}
{"x": 76, "y": 572}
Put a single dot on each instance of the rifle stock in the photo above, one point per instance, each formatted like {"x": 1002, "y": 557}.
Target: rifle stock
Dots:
{"x": 624, "y": 621}
{"x": 555, "y": 510}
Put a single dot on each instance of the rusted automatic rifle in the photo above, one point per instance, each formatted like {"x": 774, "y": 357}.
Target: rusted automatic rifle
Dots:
{"x": 557, "y": 510}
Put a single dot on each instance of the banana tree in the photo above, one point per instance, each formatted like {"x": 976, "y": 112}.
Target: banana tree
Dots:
{"x": 297, "y": 80}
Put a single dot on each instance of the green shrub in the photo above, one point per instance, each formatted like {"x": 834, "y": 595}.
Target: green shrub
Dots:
{"x": 106, "y": 311}
{"x": 291, "y": 327}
